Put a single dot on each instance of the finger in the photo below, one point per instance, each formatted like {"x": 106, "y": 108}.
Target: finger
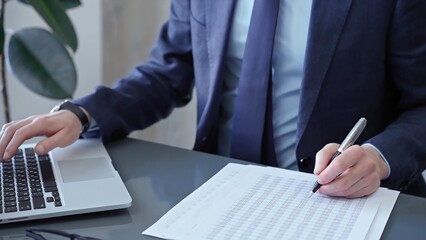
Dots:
{"x": 42, "y": 125}
{"x": 370, "y": 180}
{"x": 351, "y": 178}
{"x": 7, "y": 133}
{"x": 349, "y": 158}
{"x": 357, "y": 177}
{"x": 323, "y": 157}
{"x": 9, "y": 129}
{"x": 370, "y": 187}
{"x": 46, "y": 125}
{"x": 341, "y": 187}
{"x": 364, "y": 187}
{"x": 34, "y": 128}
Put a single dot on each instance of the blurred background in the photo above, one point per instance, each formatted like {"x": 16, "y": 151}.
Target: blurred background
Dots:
{"x": 114, "y": 36}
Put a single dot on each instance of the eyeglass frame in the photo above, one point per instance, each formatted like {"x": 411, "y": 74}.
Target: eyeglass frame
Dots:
{"x": 36, "y": 234}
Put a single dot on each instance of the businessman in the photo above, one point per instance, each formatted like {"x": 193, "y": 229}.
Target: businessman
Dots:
{"x": 331, "y": 62}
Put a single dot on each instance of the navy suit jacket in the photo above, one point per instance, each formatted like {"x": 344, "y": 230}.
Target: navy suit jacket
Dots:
{"x": 363, "y": 59}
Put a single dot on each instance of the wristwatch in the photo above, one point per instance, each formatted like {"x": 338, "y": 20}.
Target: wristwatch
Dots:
{"x": 67, "y": 105}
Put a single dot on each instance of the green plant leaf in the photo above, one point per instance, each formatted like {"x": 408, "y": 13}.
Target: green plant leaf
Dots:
{"x": 42, "y": 63}
{"x": 56, "y": 17}
{"x": 67, "y": 4}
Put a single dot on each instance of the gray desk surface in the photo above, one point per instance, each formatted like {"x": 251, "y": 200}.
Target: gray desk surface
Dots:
{"x": 159, "y": 176}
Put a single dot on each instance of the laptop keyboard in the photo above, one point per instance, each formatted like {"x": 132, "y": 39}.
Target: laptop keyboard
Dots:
{"x": 27, "y": 182}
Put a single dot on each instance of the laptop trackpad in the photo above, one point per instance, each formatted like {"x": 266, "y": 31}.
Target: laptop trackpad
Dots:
{"x": 77, "y": 170}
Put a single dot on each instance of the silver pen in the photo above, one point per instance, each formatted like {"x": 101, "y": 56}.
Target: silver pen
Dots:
{"x": 349, "y": 141}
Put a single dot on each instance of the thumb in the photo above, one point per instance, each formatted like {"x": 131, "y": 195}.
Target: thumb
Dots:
{"x": 323, "y": 157}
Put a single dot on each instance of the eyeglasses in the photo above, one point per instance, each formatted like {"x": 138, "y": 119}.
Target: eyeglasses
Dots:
{"x": 36, "y": 234}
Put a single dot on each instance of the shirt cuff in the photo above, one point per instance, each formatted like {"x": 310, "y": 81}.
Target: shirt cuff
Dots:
{"x": 93, "y": 126}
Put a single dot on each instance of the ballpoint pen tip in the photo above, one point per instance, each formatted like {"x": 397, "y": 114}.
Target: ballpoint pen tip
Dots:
{"x": 310, "y": 194}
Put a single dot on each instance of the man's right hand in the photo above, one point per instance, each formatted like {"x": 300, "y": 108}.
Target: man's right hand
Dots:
{"x": 60, "y": 128}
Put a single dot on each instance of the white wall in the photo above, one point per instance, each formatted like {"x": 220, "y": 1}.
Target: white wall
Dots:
{"x": 130, "y": 29}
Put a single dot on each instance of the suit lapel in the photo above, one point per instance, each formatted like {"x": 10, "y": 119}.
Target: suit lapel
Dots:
{"x": 218, "y": 23}
{"x": 326, "y": 24}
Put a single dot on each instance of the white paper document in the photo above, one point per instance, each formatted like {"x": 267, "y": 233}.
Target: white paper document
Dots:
{"x": 255, "y": 202}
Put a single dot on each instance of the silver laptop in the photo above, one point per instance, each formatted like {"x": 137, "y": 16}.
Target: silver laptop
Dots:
{"x": 72, "y": 180}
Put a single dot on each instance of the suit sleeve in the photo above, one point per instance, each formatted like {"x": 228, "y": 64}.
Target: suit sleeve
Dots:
{"x": 403, "y": 142}
{"x": 153, "y": 89}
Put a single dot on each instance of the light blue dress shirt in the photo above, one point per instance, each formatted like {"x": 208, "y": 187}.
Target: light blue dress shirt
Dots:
{"x": 287, "y": 73}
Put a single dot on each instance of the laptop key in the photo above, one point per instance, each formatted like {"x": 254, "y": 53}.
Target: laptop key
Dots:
{"x": 10, "y": 204}
{"x": 23, "y": 181}
{"x": 23, "y": 194}
{"x": 24, "y": 198}
{"x": 39, "y": 203}
{"x": 36, "y": 190}
{"x": 10, "y": 199}
{"x": 10, "y": 209}
{"x": 51, "y": 189}
{"x": 9, "y": 194}
{"x": 24, "y": 205}
{"x": 47, "y": 172}
{"x": 37, "y": 194}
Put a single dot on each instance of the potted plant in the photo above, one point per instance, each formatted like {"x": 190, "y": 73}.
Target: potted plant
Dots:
{"x": 40, "y": 59}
